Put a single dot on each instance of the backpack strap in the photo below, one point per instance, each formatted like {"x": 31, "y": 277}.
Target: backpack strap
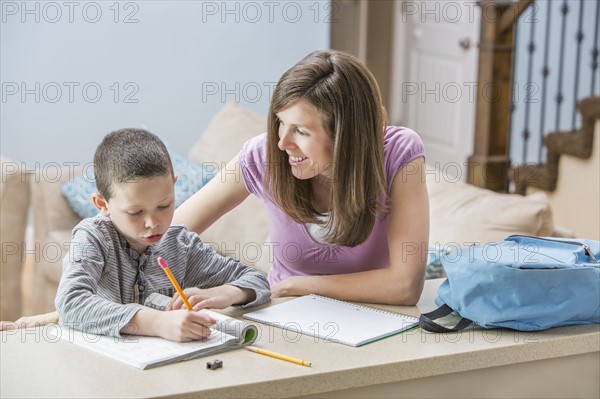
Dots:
{"x": 427, "y": 323}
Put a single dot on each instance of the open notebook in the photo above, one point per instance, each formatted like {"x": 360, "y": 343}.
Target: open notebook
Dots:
{"x": 147, "y": 352}
{"x": 334, "y": 320}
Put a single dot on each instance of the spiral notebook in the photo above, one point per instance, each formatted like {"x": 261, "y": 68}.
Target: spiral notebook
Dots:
{"x": 334, "y": 320}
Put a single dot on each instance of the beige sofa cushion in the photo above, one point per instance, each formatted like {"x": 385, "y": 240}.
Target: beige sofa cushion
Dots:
{"x": 58, "y": 248}
{"x": 50, "y": 210}
{"x": 240, "y": 233}
{"x": 53, "y": 220}
{"x": 227, "y": 131}
{"x": 463, "y": 214}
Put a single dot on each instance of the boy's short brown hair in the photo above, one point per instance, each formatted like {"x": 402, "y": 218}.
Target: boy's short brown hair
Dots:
{"x": 127, "y": 155}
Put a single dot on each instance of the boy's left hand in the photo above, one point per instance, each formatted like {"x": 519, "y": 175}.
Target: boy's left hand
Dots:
{"x": 212, "y": 298}
{"x": 30, "y": 321}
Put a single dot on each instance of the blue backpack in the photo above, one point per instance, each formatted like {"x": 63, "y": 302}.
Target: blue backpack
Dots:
{"x": 523, "y": 283}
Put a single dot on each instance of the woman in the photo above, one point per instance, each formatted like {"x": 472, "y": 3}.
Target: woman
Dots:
{"x": 346, "y": 196}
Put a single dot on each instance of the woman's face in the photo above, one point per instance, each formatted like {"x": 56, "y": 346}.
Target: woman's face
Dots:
{"x": 303, "y": 137}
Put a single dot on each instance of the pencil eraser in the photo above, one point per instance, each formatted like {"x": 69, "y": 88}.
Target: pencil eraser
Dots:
{"x": 214, "y": 364}
{"x": 161, "y": 262}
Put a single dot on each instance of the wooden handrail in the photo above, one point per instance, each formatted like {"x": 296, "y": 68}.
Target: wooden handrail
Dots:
{"x": 508, "y": 18}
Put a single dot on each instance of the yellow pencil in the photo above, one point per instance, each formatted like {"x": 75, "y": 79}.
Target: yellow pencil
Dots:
{"x": 163, "y": 264}
{"x": 278, "y": 356}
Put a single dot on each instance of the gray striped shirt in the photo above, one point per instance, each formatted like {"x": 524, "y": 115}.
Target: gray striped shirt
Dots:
{"x": 105, "y": 282}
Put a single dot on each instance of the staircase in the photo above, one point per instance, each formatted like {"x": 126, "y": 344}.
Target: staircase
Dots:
{"x": 577, "y": 143}
{"x": 570, "y": 175}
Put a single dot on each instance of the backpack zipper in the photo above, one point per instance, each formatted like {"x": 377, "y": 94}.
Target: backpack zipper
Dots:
{"x": 586, "y": 249}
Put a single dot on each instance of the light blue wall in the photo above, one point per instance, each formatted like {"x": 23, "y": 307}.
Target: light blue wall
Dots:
{"x": 166, "y": 66}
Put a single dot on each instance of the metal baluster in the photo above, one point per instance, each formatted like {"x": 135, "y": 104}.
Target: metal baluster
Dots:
{"x": 545, "y": 74}
{"x": 559, "y": 94}
{"x": 594, "y": 64}
{"x": 579, "y": 38}
{"x": 513, "y": 106}
{"x": 530, "y": 50}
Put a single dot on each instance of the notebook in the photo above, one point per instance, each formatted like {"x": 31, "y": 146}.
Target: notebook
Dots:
{"x": 334, "y": 320}
{"x": 148, "y": 352}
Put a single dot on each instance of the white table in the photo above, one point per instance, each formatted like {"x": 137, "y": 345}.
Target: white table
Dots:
{"x": 561, "y": 362}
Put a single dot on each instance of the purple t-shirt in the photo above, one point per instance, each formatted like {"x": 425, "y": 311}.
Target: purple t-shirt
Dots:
{"x": 295, "y": 252}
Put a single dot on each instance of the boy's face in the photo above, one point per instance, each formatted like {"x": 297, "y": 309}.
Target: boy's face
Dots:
{"x": 141, "y": 210}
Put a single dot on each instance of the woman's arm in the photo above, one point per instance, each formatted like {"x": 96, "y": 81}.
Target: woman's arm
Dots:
{"x": 401, "y": 283}
{"x": 217, "y": 281}
{"x": 220, "y": 195}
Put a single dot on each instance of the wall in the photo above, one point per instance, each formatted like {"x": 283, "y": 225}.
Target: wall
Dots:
{"x": 575, "y": 201}
{"x": 73, "y": 71}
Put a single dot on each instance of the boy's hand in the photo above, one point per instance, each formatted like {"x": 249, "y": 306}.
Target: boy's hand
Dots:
{"x": 180, "y": 325}
{"x": 184, "y": 326}
{"x": 212, "y": 298}
{"x": 30, "y": 321}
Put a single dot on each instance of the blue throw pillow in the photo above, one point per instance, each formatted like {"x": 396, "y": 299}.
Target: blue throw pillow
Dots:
{"x": 190, "y": 178}
{"x": 434, "y": 267}
{"x": 78, "y": 193}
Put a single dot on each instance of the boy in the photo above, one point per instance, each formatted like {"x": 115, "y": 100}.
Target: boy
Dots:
{"x": 111, "y": 267}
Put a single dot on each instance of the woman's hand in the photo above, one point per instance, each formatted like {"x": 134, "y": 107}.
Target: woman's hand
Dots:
{"x": 212, "y": 298}
{"x": 291, "y": 286}
{"x": 30, "y": 321}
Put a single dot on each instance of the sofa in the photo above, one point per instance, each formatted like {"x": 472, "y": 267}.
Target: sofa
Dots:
{"x": 14, "y": 208}
{"x": 460, "y": 214}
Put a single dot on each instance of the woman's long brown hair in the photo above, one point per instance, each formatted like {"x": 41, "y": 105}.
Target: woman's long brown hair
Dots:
{"x": 346, "y": 94}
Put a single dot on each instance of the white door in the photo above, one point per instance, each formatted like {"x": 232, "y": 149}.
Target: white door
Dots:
{"x": 435, "y": 75}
